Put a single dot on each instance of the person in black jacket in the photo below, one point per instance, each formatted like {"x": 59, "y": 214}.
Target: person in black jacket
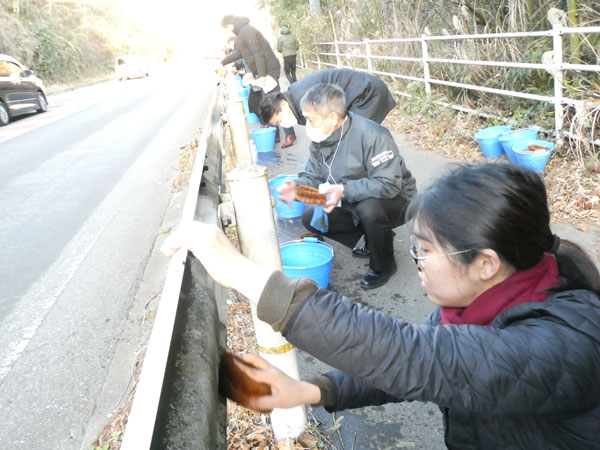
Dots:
{"x": 356, "y": 162}
{"x": 512, "y": 354}
{"x": 259, "y": 58}
{"x": 366, "y": 95}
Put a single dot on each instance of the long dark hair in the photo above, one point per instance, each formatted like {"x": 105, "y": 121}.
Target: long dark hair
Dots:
{"x": 502, "y": 207}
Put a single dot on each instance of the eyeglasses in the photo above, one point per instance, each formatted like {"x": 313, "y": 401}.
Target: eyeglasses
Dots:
{"x": 414, "y": 252}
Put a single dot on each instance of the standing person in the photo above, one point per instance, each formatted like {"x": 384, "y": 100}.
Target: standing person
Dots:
{"x": 511, "y": 355}
{"x": 288, "y": 45}
{"x": 259, "y": 58}
{"x": 356, "y": 162}
{"x": 366, "y": 95}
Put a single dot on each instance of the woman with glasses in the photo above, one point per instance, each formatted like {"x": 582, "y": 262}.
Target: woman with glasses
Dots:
{"x": 512, "y": 354}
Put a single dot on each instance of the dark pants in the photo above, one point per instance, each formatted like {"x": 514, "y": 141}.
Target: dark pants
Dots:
{"x": 289, "y": 68}
{"x": 377, "y": 218}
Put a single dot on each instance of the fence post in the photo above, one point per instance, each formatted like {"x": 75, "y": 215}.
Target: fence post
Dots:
{"x": 558, "y": 82}
{"x": 368, "y": 53}
{"x": 257, "y": 235}
{"x": 425, "y": 64}
{"x": 318, "y": 60}
{"x": 337, "y": 55}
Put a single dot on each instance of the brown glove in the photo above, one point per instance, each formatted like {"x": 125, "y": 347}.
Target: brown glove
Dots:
{"x": 236, "y": 385}
{"x": 310, "y": 195}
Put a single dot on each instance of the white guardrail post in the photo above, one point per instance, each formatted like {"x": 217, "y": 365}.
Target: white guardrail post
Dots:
{"x": 337, "y": 55}
{"x": 558, "y": 82}
{"x": 368, "y": 54}
{"x": 425, "y": 64}
{"x": 258, "y": 241}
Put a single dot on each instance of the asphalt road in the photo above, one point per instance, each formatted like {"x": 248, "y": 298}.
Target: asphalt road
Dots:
{"x": 84, "y": 190}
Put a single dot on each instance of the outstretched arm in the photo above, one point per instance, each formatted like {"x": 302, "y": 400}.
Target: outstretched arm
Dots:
{"x": 223, "y": 262}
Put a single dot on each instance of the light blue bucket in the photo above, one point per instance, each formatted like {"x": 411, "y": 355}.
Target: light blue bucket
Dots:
{"x": 512, "y": 138}
{"x": 488, "y": 140}
{"x": 535, "y": 160}
{"x": 238, "y": 81}
{"x": 244, "y": 92}
{"x": 252, "y": 118}
{"x": 308, "y": 258}
{"x": 284, "y": 211}
{"x": 264, "y": 139}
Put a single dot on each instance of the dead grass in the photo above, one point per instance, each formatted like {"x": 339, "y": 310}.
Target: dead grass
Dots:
{"x": 185, "y": 164}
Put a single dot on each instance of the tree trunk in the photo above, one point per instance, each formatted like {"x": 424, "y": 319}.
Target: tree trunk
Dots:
{"x": 315, "y": 6}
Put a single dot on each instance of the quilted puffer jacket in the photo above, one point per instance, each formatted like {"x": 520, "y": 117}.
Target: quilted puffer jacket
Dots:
{"x": 530, "y": 380}
{"x": 255, "y": 49}
{"x": 287, "y": 44}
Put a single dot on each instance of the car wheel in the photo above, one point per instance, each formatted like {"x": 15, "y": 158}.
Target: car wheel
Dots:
{"x": 42, "y": 103}
{"x": 4, "y": 118}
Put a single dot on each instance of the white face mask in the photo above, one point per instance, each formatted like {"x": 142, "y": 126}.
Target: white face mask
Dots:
{"x": 316, "y": 135}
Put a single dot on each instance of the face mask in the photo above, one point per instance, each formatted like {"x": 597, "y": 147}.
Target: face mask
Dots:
{"x": 316, "y": 135}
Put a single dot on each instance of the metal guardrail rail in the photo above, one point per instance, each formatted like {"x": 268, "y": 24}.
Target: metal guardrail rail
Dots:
{"x": 160, "y": 379}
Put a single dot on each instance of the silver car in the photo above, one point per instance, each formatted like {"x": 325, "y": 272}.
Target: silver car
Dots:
{"x": 21, "y": 91}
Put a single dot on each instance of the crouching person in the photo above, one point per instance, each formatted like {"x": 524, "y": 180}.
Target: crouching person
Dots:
{"x": 356, "y": 162}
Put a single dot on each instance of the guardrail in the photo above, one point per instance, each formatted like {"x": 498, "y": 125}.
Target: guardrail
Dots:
{"x": 176, "y": 403}
{"x": 181, "y": 365}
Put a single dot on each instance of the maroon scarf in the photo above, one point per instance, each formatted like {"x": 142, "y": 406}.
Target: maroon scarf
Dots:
{"x": 521, "y": 287}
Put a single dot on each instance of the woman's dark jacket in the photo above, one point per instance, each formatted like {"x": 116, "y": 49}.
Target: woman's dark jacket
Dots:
{"x": 529, "y": 380}
{"x": 366, "y": 95}
{"x": 254, "y": 48}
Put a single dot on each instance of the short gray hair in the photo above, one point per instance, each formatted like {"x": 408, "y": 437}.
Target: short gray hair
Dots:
{"x": 325, "y": 98}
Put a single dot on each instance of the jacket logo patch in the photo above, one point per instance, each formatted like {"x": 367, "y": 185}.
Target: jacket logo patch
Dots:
{"x": 382, "y": 157}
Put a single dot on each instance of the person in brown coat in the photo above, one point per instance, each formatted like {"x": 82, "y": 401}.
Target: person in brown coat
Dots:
{"x": 258, "y": 57}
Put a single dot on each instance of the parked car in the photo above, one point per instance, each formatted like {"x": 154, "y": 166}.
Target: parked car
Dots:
{"x": 20, "y": 90}
{"x": 131, "y": 66}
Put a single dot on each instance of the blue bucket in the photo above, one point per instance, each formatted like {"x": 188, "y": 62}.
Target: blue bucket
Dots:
{"x": 488, "y": 140}
{"x": 309, "y": 258}
{"x": 245, "y": 103}
{"x": 244, "y": 92}
{"x": 264, "y": 139}
{"x": 238, "y": 81}
{"x": 252, "y": 118}
{"x": 284, "y": 211}
{"x": 512, "y": 138}
{"x": 535, "y": 160}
